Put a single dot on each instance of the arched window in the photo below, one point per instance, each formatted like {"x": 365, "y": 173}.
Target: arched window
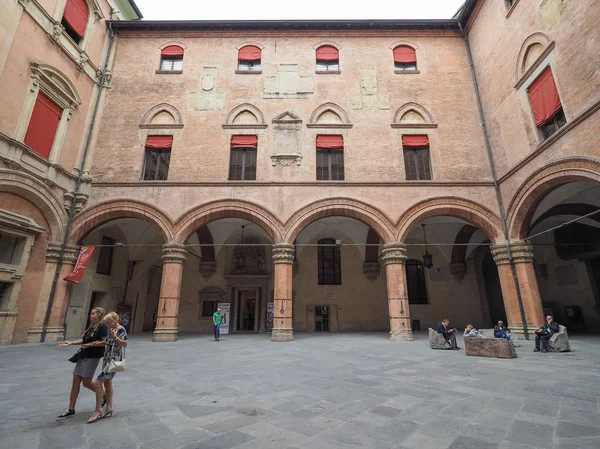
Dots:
{"x": 75, "y": 19}
{"x": 171, "y": 59}
{"x": 249, "y": 59}
{"x": 330, "y": 264}
{"x": 328, "y": 59}
{"x": 415, "y": 282}
{"x": 405, "y": 58}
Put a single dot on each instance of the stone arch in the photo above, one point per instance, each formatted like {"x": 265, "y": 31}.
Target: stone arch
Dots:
{"x": 56, "y": 84}
{"x": 406, "y": 43}
{"x": 195, "y": 218}
{"x": 38, "y": 194}
{"x": 245, "y": 115}
{"x": 89, "y": 219}
{"x": 533, "y": 50}
{"x": 149, "y": 120}
{"x": 529, "y": 195}
{"x": 329, "y": 115}
{"x": 340, "y": 207}
{"x": 326, "y": 43}
{"x": 168, "y": 44}
{"x": 470, "y": 211}
{"x": 246, "y": 43}
{"x": 413, "y": 115}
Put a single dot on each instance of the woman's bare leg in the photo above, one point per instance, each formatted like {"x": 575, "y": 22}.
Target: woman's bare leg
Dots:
{"x": 88, "y": 383}
{"x": 75, "y": 388}
{"x": 108, "y": 386}
{"x": 97, "y": 388}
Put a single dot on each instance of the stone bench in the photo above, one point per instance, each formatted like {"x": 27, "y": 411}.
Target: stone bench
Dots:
{"x": 489, "y": 333}
{"x": 490, "y": 347}
{"x": 437, "y": 341}
{"x": 559, "y": 342}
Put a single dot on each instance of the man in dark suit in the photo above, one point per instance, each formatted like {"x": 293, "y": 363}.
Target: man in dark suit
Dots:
{"x": 443, "y": 328}
{"x": 544, "y": 333}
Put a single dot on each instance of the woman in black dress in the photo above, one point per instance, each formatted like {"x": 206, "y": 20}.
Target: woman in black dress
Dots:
{"x": 92, "y": 351}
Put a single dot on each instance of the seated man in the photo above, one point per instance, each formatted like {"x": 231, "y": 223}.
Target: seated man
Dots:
{"x": 501, "y": 331}
{"x": 448, "y": 334}
{"x": 544, "y": 333}
{"x": 470, "y": 331}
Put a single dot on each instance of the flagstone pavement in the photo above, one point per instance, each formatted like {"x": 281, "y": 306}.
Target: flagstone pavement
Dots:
{"x": 321, "y": 391}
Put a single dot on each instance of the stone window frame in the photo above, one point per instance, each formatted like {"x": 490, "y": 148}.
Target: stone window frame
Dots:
{"x": 252, "y": 129}
{"x": 330, "y": 44}
{"x": 26, "y": 229}
{"x": 245, "y": 44}
{"x": 94, "y": 16}
{"x": 336, "y": 129}
{"x": 522, "y": 73}
{"x": 146, "y": 122}
{"x": 412, "y": 45}
{"x": 58, "y": 88}
{"x": 510, "y": 7}
{"x": 163, "y": 46}
{"x": 523, "y": 88}
{"x": 211, "y": 294}
{"x": 415, "y": 128}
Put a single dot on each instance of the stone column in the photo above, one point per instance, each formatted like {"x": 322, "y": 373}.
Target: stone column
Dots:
{"x": 283, "y": 260}
{"x": 56, "y": 323}
{"x": 394, "y": 259}
{"x": 522, "y": 254}
{"x": 173, "y": 256}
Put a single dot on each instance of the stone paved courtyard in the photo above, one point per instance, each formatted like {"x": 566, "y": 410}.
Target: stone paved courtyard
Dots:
{"x": 321, "y": 391}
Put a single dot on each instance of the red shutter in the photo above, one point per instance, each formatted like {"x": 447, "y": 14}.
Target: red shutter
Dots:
{"x": 327, "y": 53}
{"x": 327, "y": 142}
{"x": 43, "y": 125}
{"x": 244, "y": 141}
{"x": 159, "y": 142}
{"x": 76, "y": 15}
{"x": 249, "y": 53}
{"x": 172, "y": 51}
{"x": 544, "y": 98}
{"x": 415, "y": 141}
{"x": 405, "y": 54}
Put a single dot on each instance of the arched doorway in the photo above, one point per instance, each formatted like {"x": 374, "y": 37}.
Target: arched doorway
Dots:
{"x": 567, "y": 250}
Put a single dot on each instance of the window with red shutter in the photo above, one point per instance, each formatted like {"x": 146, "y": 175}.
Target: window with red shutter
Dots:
{"x": 405, "y": 58}
{"x": 171, "y": 58}
{"x": 545, "y": 104}
{"x": 249, "y": 59}
{"x": 75, "y": 19}
{"x": 416, "y": 157}
{"x": 328, "y": 59}
{"x": 158, "y": 158}
{"x": 43, "y": 125}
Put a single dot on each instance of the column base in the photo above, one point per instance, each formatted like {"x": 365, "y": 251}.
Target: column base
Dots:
{"x": 34, "y": 335}
{"x": 401, "y": 335}
{"x": 282, "y": 335}
{"x": 518, "y": 330}
{"x": 53, "y": 334}
{"x": 164, "y": 335}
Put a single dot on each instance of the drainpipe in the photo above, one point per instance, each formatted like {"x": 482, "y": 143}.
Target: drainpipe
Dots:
{"x": 488, "y": 148}
{"x": 71, "y": 215}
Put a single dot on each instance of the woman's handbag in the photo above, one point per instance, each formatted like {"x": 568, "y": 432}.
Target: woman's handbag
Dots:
{"x": 75, "y": 357}
{"x": 116, "y": 366}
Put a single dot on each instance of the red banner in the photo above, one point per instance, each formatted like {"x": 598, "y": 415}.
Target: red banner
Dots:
{"x": 84, "y": 257}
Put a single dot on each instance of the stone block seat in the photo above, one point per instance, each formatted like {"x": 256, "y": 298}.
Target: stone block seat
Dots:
{"x": 437, "y": 341}
{"x": 559, "y": 342}
{"x": 490, "y": 347}
{"x": 514, "y": 339}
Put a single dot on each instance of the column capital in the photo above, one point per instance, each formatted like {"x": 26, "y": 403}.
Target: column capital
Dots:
{"x": 69, "y": 256}
{"x": 283, "y": 253}
{"x": 173, "y": 253}
{"x": 522, "y": 252}
{"x": 393, "y": 253}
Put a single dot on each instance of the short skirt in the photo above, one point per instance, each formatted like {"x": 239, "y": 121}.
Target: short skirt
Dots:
{"x": 86, "y": 367}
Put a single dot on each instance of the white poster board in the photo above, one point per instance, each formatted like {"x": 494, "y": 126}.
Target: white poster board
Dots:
{"x": 225, "y": 307}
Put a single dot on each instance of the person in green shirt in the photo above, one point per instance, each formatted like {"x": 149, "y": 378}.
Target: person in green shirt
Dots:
{"x": 217, "y": 324}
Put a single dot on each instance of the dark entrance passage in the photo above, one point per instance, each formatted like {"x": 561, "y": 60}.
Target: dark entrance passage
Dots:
{"x": 321, "y": 318}
{"x": 493, "y": 290}
{"x": 246, "y": 310}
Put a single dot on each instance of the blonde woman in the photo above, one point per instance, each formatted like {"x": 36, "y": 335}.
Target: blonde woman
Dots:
{"x": 92, "y": 350}
{"x": 114, "y": 349}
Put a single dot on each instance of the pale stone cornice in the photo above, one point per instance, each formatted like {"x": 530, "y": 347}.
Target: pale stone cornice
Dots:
{"x": 417, "y": 184}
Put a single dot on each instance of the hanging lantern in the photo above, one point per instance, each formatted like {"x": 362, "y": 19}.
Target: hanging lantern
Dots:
{"x": 427, "y": 258}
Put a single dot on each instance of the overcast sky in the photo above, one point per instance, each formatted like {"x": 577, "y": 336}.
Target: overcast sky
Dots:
{"x": 303, "y": 9}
